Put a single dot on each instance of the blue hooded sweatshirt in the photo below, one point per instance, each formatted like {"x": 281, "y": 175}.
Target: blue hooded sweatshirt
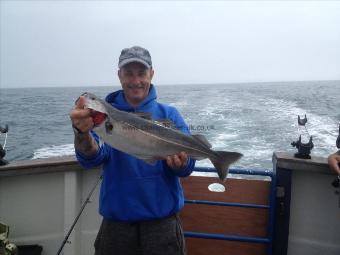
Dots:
{"x": 133, "y": 190}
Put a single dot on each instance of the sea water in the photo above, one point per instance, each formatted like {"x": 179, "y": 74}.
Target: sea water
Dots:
{"x": 255, "y": 119}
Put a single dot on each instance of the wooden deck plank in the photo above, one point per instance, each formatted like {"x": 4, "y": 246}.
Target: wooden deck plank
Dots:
{"x": 225, "y": 220}
{"x": 237, "y": 190}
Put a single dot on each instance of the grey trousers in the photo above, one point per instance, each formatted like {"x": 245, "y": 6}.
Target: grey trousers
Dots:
{"x": 156, "y": 237}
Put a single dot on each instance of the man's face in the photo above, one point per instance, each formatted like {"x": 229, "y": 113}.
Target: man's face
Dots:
{"x": 135, "y": 79}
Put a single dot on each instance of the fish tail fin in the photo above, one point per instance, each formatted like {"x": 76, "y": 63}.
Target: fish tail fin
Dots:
{"x": 223, "y": 160}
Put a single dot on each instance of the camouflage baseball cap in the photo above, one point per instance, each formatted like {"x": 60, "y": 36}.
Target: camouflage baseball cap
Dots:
{"x": 135, "y": 54}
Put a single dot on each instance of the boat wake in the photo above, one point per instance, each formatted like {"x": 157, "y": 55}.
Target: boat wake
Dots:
{"x": 54, "y": 151}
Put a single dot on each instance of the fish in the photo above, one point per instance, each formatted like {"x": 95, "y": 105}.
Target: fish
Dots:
{"x": 151, "y": 140}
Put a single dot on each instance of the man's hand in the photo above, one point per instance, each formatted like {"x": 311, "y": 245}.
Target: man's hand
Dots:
{"x": 177, "y": 161}
{"x": 81, "y": 117}
{"x": 334, "y": 161}
{"x": 82, "y": 120}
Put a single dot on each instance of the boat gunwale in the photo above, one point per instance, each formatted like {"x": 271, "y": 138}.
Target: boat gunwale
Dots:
{"x": 283, "y": 160}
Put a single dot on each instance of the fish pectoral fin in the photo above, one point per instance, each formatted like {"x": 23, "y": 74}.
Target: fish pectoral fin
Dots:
{"x": 202, "y": 140}
{"x": 166, "y": 123}
{"x": 149, "y": 160}
{"x": 144, "y": 115}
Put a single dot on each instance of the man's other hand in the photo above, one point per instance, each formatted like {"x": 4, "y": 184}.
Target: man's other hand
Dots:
{"x": 177, "y": 161}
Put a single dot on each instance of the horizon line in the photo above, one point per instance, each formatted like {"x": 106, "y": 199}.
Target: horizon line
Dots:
{"x": 163, "y": 84}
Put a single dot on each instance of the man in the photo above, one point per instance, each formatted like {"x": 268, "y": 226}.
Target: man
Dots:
{"x": 139, "y": 202}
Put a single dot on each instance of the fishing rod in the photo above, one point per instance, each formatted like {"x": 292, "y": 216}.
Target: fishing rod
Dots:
{"x": 79, "y": 214}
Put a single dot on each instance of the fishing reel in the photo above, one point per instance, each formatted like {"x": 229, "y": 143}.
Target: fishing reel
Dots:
{"x": 2, "y": 148}
{"x": 304, "y": 149}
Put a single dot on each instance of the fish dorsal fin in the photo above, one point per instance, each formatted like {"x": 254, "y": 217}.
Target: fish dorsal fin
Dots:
{"x": 202, "y": 140}
{"x": 144, "y": 115}
{"x": 166, "y": 123}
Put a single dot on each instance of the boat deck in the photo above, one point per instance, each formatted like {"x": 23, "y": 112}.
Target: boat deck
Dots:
{"x": 39, "y": 199}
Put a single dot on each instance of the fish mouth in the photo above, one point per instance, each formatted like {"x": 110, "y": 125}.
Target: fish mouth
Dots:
{"x": 98, "y": 117}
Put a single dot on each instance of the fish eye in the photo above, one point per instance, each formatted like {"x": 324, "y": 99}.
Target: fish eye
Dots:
{"x": 108, "y": 127}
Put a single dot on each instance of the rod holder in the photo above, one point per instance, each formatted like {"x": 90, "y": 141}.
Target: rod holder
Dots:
{"x": 2, "y": 150}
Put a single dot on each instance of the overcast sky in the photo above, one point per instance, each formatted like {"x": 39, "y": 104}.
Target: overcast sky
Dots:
{"x": 77, "y": 43}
